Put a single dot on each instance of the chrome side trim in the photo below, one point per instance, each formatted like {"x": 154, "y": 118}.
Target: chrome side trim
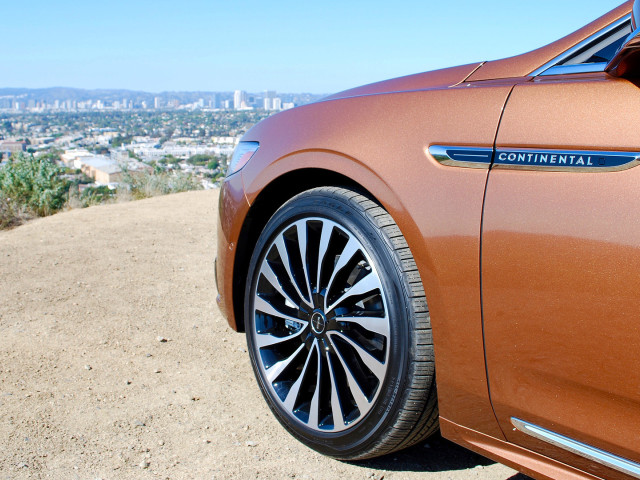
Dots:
{"x": 465, "y": 157}
{"x": 564, "y": 160}
{"x": 563, "y": 56}
{"x": 594, "y": 454}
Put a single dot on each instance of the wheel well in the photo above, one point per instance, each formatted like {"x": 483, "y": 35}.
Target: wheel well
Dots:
{"x": 272, "y": 197}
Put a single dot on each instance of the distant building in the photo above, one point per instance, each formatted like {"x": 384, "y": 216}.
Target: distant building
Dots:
{"x": 8, "y": 148}
{"x": 215, "y": 101}
{"x": 240, "y": 100}
{"x": 157, "y": 102}
{"x": 102, "y": 169}
{"x": 73, "y": 158}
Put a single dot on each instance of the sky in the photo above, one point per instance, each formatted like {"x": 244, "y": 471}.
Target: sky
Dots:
{"x": 287, "y": 46}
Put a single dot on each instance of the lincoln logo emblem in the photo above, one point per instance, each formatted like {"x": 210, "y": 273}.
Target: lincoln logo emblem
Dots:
{"x": 317, "y": 322}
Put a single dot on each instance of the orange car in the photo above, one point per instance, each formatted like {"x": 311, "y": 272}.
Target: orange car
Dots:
{"x": 480, "y": 222}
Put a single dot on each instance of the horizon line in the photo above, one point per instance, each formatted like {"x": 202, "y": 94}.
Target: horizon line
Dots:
{"x": 158, "y": 92}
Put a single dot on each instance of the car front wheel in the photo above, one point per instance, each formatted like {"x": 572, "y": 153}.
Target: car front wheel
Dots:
{"x": 338, "y": 327}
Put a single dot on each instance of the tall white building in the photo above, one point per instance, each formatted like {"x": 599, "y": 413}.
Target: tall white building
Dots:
{"x": 239, "y": 99}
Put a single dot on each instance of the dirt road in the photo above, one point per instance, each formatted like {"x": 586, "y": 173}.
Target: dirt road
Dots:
{"x": 89, "y": 388}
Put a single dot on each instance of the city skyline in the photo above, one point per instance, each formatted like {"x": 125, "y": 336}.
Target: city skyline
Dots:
{"x": 256, "y": 46}
{"x": 75, "y": 100}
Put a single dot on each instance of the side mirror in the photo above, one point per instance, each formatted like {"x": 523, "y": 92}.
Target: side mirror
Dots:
{"x": 626, "y": 62}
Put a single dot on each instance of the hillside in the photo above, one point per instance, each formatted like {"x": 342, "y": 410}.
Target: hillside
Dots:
{"x": 88, "y": 391}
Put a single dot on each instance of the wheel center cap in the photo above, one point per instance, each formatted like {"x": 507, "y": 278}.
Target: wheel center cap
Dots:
{"x": 318, "y": 322}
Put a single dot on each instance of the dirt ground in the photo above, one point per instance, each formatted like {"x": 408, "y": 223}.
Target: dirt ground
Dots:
{"x": 115, "y": 362}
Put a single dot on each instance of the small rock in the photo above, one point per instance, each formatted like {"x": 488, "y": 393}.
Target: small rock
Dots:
{"x": 251, "y": 444}
{"x": 22, "y": 465}
{"x": 138, "y": 423}
{"x": 129, "y": 382}
{"x": 87, "y": 367}
{"x": 145, "y": 463}
{"x": 157, "y": 370}
{"x": 161, "y": 442}
{"x": 148, "y": 355}
{"x": 161, "y": 339}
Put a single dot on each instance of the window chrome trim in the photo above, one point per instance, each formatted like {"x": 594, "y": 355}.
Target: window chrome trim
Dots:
{"x": 550, "y": 68}
{"x": 579, "y": 68}
{"x": 586, "y": 451}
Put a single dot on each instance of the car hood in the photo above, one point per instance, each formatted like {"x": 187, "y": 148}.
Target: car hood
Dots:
{"x": 421, "y": 81}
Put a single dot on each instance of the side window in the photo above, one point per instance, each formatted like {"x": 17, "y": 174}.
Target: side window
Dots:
{"x": 592, "y": 54}
{"x": 601, "y": 50}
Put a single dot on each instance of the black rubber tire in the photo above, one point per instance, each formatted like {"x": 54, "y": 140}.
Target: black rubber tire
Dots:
{"x": 405, "y": 411}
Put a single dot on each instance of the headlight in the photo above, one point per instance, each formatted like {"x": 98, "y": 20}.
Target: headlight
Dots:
{"x": 241, "y": 155}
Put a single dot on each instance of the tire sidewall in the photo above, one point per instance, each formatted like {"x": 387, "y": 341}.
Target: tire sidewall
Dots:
{"x": 356, "y": 441}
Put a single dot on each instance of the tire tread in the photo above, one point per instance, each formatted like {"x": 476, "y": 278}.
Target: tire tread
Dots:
{"x": 418, "y": 418}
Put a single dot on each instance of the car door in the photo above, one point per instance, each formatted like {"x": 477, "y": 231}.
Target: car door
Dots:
{"x": 561, "y": 269}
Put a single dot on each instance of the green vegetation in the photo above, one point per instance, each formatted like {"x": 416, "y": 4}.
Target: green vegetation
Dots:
{"x": 32, "y": 186}
{"x": 121, "y": 140}
{"x": 96, "y": 195}
{"x": 36, "y": 187}
{"x": 139, "y": 185}
{"x": 202, "y": 159}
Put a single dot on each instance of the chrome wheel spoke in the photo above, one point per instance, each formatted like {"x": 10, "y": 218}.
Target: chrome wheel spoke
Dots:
{"x": 301, "y": 228}
{"x": 336, "y": 408}
{"x": 263, "y": 306}
{"x": 377, "y": 368}
{"x": 267, "y": 340}
{"x": 315, "y": 400}
{"x": 325, "y": 236}
{"x": 364, "y": 285}
{"x": 379, "y": 325}
{"x": 292, "y": 396}
{"x": 286, "y": 262}
{"x": 271, "y": 277}
{"x": 350, "y": 249}
{"x": 276, "y": 369}
{"x": 356, "y": 392}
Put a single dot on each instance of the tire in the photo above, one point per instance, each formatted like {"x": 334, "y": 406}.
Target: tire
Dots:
{"x": 347, "y": 367}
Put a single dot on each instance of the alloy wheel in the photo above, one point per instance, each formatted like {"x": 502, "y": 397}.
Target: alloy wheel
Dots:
{"x": 320, "y": 326}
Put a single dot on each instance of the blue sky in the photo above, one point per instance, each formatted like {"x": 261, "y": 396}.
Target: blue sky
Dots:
{"x": 288, "y": 46}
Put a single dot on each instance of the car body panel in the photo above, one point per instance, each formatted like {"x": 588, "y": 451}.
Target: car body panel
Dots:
{"x": 566, "y": 245}
{"x": 232, "y": 210}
